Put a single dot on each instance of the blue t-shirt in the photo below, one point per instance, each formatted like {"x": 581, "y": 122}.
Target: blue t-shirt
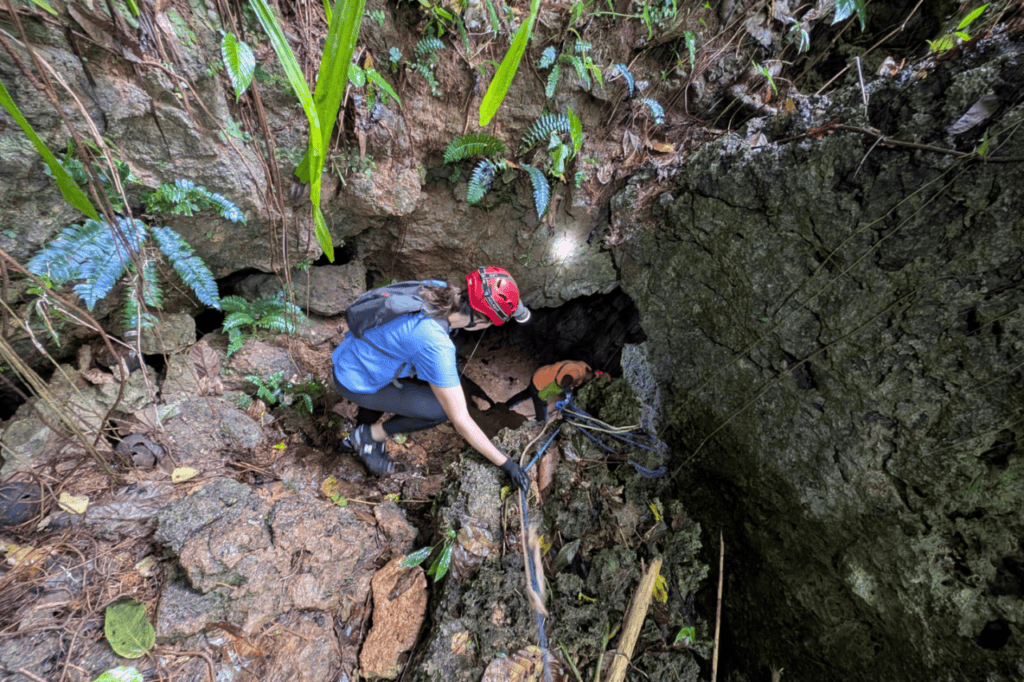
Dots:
{"x": 417, "y": 340}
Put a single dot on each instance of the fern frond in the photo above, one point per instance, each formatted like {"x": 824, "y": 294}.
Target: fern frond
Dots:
{"x": 549, "y": 89}
{"x": 233, "y": 304}
{"x": 61, "y": 259}
{"x": 237, "y": 320}
{"x": 473, "y": 144}
{"x": 102, "y": 265}
{"x": 152, "y": 293}
{"x": 427, "y": 74}
{"x": 480, "y": 181}
{"x": 277, "y": 323}
{"x": 190, "y": 267}
{"x": 630, "y": 83}
{"x": 234, "y": 344}
{"x": 542, "y": 128}
{"x": 547, "y": 57}
{"x": 541, "y": 189}
{"x": 577, "y": 63}
{"x": 427, "y": 46}
{"x": 656, "y": 110}
{"x": 583, "y": 46}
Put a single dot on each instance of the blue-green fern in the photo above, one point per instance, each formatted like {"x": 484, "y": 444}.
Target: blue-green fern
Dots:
{"x": 185, "y": 197}
{"x": 541, "y": 189}
{"x": 427, "y": 47}
{"x": 480, "y": 180}
{"x": 542, "y": 128}
{"x": 473, "y": 144}
{"x": 190, "y": 268}
{"x": 547, "y": 57}
{"x": 656, "y": 111}
{"x": 270, "y": 312}
{"x": 630, "y": 83}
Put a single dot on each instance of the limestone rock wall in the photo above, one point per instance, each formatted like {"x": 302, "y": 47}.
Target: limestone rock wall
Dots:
{"x": 837, "y": 326}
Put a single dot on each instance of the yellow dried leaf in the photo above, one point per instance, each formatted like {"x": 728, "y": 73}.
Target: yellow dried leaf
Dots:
{"x": 330, "y": 487}
{"x": 461, "y": 643}
{"x": 74, "y": 504}
{"x": 182, "y": 474}
{"x": 663, "y": 147}
{"x": 655, "y": 509}
{"x": 660, "y": 590}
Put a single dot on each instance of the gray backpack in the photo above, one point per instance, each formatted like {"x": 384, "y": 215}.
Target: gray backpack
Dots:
{"x": 382, "y": 305}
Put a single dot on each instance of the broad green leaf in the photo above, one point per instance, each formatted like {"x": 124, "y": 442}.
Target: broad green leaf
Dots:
{"x": 356, "y": 75}
{"x": 660, "y": 590}
{"x": 127, "y": 629}
{"x": 971, "y": 17}
{"x": 315, "y": 152}
{"x": 416, "y": 558}
{"x": 379, "y": 81}
{"x": 575, "y": 131}
{"x": 239, "y": 61}
{"x": 963, "y": 35}
{"x": 120, "y": 674}
{"x": 332, "y": 79}
{"x": 73, "y": 194}
{"x": 327, "y": 11}
{"x": 686, "y": 636}
{"x": 440, "y": 567}
{"x": 499, "y": 86}
{"x": 846, "y": 8}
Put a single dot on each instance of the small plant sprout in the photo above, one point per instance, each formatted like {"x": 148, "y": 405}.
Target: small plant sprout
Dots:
{"x": 439, "y": 568}
{"x": 947, "y": 41}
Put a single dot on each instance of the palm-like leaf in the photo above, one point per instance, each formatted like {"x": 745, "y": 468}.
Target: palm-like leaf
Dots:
{"x": 502, "y": 80}
{"x": 73, "y": 194}
{"x": 338, "y": 54}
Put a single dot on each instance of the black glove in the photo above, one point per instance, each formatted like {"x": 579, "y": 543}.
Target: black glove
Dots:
{"x": 517, "y": 474}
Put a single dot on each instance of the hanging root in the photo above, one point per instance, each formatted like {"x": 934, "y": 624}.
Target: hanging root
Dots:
{"x": 531, "y": 551}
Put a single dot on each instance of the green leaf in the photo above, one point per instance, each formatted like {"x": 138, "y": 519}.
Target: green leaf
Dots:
{"x": 691, "y": 46}
{"x": 330, "y": 89}
{"x": 686, "y": 636}
{"x": 120, "y": 674}
{"x": 971, "y": 17}
{"x": 502, "y": 80}
{"x": 379, "y": 81}
{"x": 963, "y": 35}
{"x": 356, "y": 75}
{"x": 416, "y": 558}
{"x": 239, "y": 62}
{"x": 440, "y": 567}
{"x": 327, "y": 11}
{"x": 44, "y": 5}
{"x": 127, "y": 629}
{"x": 314, "y": 157}
{"x": 575, "y": 131}
{"x": 73, "y": 194}
{"x": 541, "y": 189}
{"x": 846, "y": 8}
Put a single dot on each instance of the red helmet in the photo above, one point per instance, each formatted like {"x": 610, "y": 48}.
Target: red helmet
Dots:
{"x": 493, "y": 292}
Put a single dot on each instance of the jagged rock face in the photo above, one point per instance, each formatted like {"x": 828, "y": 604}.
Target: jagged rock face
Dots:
{"x": 837, "y": 329}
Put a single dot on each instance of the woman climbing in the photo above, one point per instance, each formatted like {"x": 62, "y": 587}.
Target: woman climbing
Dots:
{"x": 552, "y": 381}
{"x": 401, "y": 331}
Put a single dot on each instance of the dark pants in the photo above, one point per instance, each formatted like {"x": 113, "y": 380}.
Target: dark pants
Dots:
{"x": 414, "y": 405}
{"x": 540, "y": 406}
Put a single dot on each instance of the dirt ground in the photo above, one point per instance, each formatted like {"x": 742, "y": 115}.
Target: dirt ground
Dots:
{"x": 105, "y": 557}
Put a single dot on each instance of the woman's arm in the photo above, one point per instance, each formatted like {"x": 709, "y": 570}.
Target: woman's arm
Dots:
{"x": 453, "y": 400}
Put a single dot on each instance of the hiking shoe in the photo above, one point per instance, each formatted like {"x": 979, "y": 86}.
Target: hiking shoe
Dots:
{"x": 369, "y": 450}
